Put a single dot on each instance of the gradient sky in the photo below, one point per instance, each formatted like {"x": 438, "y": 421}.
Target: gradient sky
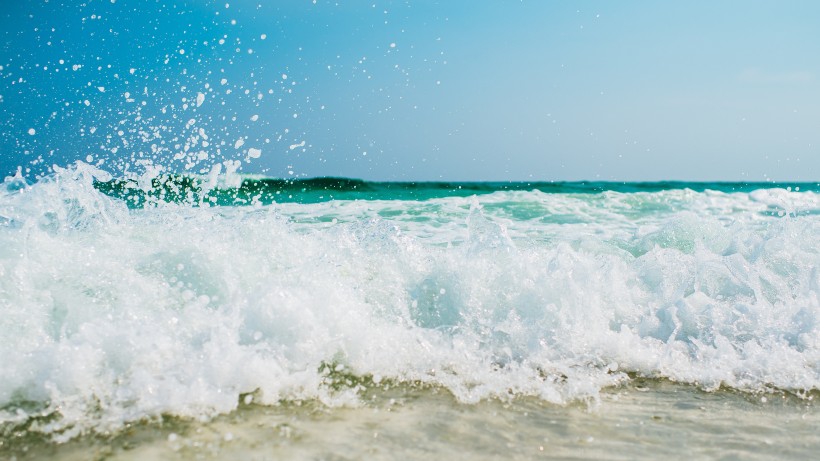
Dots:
{"x": 416, "y": 90}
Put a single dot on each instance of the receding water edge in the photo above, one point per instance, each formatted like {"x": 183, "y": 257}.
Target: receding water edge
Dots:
{"x": 643, "y": 419}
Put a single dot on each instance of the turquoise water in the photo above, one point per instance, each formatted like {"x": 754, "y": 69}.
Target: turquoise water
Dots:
{"x": 133, "y": 301}
{"x": 249, "y": 190}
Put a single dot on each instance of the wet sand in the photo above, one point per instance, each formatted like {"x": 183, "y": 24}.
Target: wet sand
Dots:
{"x": 648, "y": 419}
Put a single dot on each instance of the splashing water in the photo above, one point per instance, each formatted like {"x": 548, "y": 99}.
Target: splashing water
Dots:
{"x": 115, "y": 314}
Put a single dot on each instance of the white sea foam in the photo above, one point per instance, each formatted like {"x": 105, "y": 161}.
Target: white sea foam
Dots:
{"x": 113, "y": 315}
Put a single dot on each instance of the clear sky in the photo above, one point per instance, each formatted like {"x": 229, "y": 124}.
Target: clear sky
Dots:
{"x": 416, "y": 90}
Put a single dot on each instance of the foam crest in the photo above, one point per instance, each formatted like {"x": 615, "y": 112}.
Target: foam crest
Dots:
{"x": 114, "y": 315}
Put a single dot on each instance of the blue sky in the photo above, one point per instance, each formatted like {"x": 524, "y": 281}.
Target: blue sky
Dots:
{"x": 416, "y": 90}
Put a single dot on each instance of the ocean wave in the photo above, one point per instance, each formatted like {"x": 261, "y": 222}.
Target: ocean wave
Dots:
{"x": 113, "y": 314}
{"x": 229, "y": 188}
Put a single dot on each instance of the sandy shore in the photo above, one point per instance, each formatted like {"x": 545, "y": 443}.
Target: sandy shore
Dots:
{"x": 647, "y": 419}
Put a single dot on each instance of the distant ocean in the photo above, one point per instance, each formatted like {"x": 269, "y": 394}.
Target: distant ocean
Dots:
{"x": 164, "y": 305}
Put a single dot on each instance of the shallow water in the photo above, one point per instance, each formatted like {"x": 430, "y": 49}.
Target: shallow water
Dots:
{"x": 649, "y": 419}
